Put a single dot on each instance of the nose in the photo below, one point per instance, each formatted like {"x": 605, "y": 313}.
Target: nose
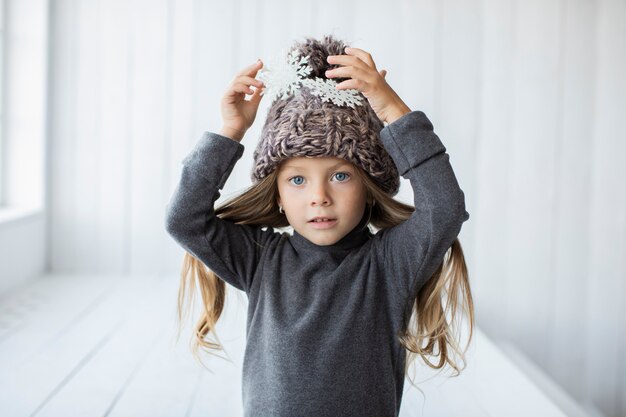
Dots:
{"x": 320, "y": 195}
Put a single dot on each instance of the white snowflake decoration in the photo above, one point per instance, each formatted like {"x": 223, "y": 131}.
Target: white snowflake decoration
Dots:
{"x": 283, "y": 77}
{"x": 325, "y": 89}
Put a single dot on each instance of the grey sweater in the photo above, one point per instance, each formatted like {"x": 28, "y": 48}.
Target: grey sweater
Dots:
{"x": 323, "y": 321}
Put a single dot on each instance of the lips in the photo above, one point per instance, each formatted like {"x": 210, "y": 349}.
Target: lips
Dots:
{"x": 321, "y": 219}
{"x": 323, "y": 224}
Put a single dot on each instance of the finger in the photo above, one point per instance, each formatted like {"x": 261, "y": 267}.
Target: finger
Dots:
{"x": 362, "y": 55}
{"x": 383, "y": 73}
{"x": 351, "y": 84}
{"x": 241, "y": 88}
{"x": 247, "y": 80}
{"x": 251, "y": 69}
{"x": 256, "y": 97}
{"x": 349, "y": 72}
{"x": 347, "y": 60}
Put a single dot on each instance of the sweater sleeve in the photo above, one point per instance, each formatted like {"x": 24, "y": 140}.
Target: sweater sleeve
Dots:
{"x": 413, "y": 249}
{"x": 230, "y": 250}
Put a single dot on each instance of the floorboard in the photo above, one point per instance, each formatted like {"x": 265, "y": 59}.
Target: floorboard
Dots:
{"x": 106, "y": 346}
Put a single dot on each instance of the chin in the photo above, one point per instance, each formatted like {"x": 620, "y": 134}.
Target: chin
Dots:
{"x": 322, "y": 237}
{"x": 325, "y": 241}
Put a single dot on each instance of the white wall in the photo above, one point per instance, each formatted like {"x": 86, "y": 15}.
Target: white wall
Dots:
{"x": 23, "y": 158}
{"x": 529, "y": 98}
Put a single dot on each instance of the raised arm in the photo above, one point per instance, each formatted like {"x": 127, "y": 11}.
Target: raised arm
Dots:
{"x": 230, "y": 250}
{"x": 413, "y": 250}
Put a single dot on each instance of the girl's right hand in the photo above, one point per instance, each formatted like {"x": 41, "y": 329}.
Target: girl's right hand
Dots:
{"x": 238, "y": 114}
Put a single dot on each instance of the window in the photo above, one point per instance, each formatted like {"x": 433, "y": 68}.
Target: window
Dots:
{"x": 1, "y": 102}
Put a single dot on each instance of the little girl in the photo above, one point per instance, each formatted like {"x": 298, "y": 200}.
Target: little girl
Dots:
{"x": 330, "y": 312}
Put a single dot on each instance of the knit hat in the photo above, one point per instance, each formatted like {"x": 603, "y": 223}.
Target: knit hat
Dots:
{"x": 309, "y": 117}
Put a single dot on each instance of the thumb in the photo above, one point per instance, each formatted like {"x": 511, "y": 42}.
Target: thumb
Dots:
{"x": 383, "y": 73}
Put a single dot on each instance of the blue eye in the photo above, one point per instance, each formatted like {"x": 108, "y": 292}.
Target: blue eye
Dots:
{"x": 345, "y": 174}
{"x": 298, "y": 176}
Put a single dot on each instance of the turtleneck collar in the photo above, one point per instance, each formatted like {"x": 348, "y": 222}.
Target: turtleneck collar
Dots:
{"x": 355, "y": 238}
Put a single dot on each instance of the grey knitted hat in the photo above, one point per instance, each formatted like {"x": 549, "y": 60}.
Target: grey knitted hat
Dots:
{"x": 302, "y": 123}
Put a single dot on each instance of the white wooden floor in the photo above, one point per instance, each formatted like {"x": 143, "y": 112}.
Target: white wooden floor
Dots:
{"x": 105, "y": 346}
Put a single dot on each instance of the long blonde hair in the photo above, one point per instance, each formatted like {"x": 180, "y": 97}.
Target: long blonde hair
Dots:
{"x": 428, "y": 327}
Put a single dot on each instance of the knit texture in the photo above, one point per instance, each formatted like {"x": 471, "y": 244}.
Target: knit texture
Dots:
{"x": 304, "y": 125}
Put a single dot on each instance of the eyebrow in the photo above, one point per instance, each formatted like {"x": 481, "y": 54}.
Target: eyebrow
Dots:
{"x": 342, "y": 163}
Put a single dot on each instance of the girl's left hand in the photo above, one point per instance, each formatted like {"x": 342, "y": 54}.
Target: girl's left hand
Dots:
{"x": 360, "y": 67}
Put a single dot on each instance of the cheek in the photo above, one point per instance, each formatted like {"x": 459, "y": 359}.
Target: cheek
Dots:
{"x": 356, "y": 195}
{"x": 288, "y": 196}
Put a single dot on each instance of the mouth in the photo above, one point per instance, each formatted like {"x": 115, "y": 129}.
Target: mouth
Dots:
{"x": 322, "y": 222}
{"x": 321, "y": 219}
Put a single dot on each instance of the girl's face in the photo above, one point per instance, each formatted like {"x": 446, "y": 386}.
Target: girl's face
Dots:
{"x": 327, "y": 187}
